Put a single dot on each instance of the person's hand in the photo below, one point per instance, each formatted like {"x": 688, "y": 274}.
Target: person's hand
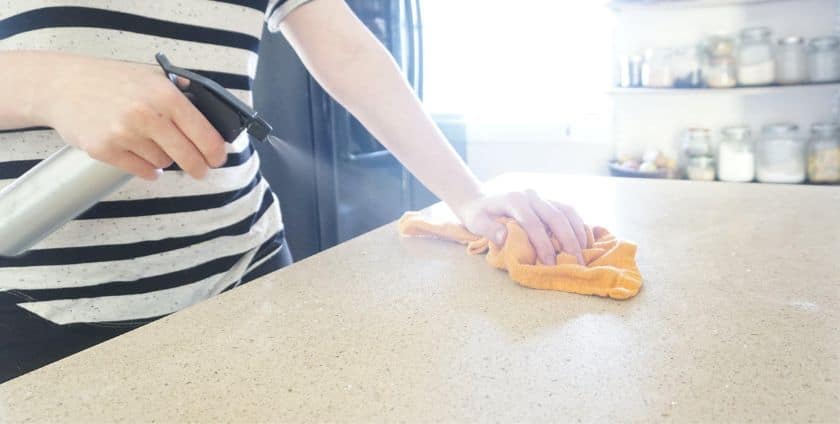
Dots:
{"x": 128, "y": 115}
{"x": 537, "y": 217}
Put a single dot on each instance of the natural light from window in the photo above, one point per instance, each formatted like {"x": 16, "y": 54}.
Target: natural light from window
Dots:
{"x": 519, "y": 63}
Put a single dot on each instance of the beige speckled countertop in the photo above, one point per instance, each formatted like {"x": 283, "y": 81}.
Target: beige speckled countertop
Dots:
{"x": 739, "y": 320}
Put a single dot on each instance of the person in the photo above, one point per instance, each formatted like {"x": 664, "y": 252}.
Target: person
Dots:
{"x": 199, "y": 220}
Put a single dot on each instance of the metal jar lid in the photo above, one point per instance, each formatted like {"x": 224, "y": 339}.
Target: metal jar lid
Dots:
{"x": 825, "y": 128}
{"x": 756, "y": 33}
{"x": 736, "y": 132}
{"x": 825, "y": 43}
{"x": 792, "y": 40}
{"x": 698, "y": 131}
{"x": 783, "y": 128}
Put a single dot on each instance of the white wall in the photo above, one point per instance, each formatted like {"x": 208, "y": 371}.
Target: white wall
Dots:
{"x": 669, "y": 26}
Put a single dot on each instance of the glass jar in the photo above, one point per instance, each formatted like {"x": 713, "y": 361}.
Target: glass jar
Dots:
{"x": 719, "y": 69}
{"x": 631, "y": 70}
{"x": 824, "y": 153}
{"x": 685, "y": 66}
{"x": 780, "y": 155}
{"x": 736, "y": 159}
{"x": 700, "y": 168}
{"x": 824, "y": 59}
{"x": 756, "y": 64}
{"x": 656, "y": 70}
{"x": 697, "y": 142}
{"x": 791, "y": 61}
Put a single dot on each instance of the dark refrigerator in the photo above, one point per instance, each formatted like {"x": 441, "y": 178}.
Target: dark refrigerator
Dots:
{"x": 333, "y": 179}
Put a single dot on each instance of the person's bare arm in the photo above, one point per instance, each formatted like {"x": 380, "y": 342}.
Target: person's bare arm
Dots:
{"x": 125, "y": 114}
{"x": 351, "y": 64}
{"x": 20, "y": 81}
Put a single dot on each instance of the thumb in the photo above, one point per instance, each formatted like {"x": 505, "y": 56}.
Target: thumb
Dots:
{"x": 491, "y": 230}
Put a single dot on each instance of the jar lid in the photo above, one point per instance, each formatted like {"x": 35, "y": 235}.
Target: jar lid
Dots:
{"x": 783, "y": 128}
{"x": 756, "y": 33}
{"x": 825, "y": 43}
{"x": 738, "y": 131}
{"x": 792, "y": 40}
{"x": 825, "y": 128}
{"x": 703, "y": 131}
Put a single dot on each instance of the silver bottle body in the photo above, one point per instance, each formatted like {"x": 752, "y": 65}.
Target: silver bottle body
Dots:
{"x": 55, "y": 191}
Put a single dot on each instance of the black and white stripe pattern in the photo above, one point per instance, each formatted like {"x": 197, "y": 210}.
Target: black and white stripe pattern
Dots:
{"x": 151, "y": 248}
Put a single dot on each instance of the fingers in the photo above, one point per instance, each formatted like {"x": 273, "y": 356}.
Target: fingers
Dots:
{"x": 522, "y": 211}
{"x": 150, "y": 152}
{"x": 539, "y": 218}
{"x": 181, "y": 82}
{"x": 134, "y": 164}
{"x": 559, "y": 224}
{"x": 197, "y": 129}
{"x": 486, "y": 227}
{"x": 575, "y": 221}
{"x": 176, "y": 145}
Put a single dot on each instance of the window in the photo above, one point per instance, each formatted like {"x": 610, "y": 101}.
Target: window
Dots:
{"x": 535, "y": 67}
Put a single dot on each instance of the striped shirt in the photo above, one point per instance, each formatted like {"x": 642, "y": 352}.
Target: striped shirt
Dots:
{"x": 153, "y": 247}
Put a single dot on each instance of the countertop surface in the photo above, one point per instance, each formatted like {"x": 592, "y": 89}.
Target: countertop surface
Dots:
{"x": 738, "y": 320}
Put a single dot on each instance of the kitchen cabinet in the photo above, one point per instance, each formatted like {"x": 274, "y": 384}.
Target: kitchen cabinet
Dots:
{"x": 737, "y": 322}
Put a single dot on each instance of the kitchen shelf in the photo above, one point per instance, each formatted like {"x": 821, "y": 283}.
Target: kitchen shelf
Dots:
{"x": 716, "y": 181}
{"x": 684, "y": 4}
{"x": 744, "y": 91}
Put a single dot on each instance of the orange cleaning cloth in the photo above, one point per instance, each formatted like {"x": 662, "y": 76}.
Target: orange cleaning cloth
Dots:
{"x": 610, "y": 263}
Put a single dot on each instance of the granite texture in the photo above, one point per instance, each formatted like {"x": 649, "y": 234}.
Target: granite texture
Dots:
{"x": 738, "y": 321}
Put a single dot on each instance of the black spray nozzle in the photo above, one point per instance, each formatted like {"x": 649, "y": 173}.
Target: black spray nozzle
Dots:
{"x": 229, "y": 115}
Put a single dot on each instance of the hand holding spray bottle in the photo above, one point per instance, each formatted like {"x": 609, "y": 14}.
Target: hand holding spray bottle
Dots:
{"x": 66, "y": 184}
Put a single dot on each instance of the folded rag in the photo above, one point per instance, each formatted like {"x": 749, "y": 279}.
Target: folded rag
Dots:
{"x": 610, "y": 263}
